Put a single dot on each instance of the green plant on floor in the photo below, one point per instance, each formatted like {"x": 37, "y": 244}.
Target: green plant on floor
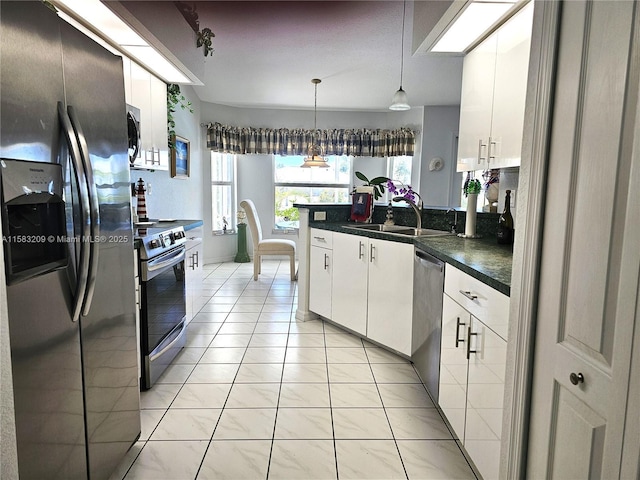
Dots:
{"x": 174, "y": 99}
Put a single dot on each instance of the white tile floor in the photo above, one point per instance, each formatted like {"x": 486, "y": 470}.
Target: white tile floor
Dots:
{"x": 256, "y": 394}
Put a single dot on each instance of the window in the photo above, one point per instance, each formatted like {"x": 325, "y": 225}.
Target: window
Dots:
{"x": 399, "y": 168}
{"x": 308, "y": 185}
{"x": 223, "y": 192}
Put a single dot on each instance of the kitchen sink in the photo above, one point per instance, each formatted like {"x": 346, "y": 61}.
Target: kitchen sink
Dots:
{"x": 400, "y": 230}
{"x": 378, "y": 227}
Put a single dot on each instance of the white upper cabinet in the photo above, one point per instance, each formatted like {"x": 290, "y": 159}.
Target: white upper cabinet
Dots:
{"x": 149, "y": 94}
{"x": 494, "y": 84}
{"x": 476, "y": 103}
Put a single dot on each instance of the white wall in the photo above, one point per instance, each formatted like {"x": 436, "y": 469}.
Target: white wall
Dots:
{"x": 440, "y": 188}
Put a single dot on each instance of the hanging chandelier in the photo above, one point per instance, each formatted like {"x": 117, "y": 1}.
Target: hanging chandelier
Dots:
{"x": 314, "y": 154}
{"x": 400, "y": 101}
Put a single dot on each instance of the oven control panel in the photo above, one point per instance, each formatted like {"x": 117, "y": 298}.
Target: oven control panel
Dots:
{"x": 154, "y": 244}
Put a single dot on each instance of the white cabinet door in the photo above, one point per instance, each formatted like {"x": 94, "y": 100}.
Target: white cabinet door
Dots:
{"x": 158, "y": 91}
{"x": 485, "y": 394}
{"x": 390, "y": 295}
{"x": 350, "y": 282}
{"x": 511, "y": 67}
{"x": 149, "y": 94}
{"x": 454, "y": 364}
{"x": 193, "y": 277}
{"x": 320, "y": 272}
{"x": 475, "y": 106}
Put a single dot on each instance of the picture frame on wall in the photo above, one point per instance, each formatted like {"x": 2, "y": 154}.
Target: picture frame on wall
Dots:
{"x": 180, "y": 157}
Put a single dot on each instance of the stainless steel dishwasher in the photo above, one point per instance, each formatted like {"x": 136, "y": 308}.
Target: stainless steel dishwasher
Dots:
{"x": 428, "y": 288}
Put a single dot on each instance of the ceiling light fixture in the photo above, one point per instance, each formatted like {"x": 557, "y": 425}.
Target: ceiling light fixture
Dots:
{"x": 98, "y": 22}
{"x": 471, "y": 24}
{"x": 314, "y": 154}
{"x": 400, "y": 101}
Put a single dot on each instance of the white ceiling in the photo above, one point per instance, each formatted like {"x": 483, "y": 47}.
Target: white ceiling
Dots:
{"x": 266, "y": 54}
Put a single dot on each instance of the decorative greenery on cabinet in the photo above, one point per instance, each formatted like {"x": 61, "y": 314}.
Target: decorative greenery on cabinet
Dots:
{"x": 174, "y": 99}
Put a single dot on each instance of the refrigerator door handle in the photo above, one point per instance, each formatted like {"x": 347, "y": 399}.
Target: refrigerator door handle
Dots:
{"x": 94, "y": 211}
{"x": 83, "y": 267}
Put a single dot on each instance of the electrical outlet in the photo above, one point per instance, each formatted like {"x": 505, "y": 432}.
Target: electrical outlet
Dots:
{"x": 319, "y": 216}
{"x": 513, "y": 200}
{"x": 148, "y": 189}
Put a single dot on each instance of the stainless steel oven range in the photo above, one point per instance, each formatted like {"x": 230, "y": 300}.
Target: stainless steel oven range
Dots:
{"x": 163, "y": 305}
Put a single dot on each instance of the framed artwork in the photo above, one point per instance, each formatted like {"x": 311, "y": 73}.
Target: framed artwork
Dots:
{"x": 180, "y": 158}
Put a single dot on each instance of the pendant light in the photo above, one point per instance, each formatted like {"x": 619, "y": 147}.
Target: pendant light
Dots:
{"x": 314, "y": 154}
{"x": 400, "y": 101}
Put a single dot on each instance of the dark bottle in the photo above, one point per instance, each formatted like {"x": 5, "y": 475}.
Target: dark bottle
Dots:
{"x": 505, "y": 222}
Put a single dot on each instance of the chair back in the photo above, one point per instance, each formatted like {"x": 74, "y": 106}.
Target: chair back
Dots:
{"x": 253, "y": 220}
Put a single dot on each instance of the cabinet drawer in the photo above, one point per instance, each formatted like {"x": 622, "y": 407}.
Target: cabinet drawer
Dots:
{"x": 321, "y": 238}
{"x": 485, "y": 303}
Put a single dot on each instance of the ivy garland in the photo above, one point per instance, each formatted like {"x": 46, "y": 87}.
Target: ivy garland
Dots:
{"x": 174, "y": 98}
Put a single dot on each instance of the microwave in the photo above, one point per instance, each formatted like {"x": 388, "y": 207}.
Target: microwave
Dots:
{"x": 133, "y": 133}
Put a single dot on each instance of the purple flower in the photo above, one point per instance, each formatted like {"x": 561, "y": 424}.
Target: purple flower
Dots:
{"x": 391, "y": 187}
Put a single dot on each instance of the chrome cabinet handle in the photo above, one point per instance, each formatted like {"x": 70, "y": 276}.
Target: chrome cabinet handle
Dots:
{"x": 196, "y": 260}
{"x": 576, "y": 378}
{"x": 372, "y": 251}
{"x": 480, "y": 147}
{"x": 489, "y": 156}
{"x": 468, "y": 294}
{"x": 469, "y": 334}
{"x": 360, "y": 250}
{"x": 458, "y": 324}
{"x": 326, "y": 261}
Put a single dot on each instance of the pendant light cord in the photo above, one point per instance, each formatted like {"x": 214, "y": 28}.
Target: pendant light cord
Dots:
{"x": 404, "y": 8}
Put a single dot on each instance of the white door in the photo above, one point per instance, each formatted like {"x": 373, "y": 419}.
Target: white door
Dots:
{"x": 349, "y": 288}
{"x": 454, "y": 366}
{"x": 320, "y": 268}
{"x": 390, "y": 306}
{"x": 588, "y": 296}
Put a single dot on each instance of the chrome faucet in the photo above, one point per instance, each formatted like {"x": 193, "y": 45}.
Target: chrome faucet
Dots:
{"x": 416, "y": 208}
{"x": 453, "y": 225}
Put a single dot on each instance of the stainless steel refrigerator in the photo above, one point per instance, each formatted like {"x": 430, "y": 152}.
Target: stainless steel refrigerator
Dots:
{"x": 70, "y": 291}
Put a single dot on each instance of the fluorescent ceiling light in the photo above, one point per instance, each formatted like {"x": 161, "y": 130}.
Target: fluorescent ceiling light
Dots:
{"x": 150, "y": 56}
{"x": 476, "y": 19}
{"x": 100, "y": 20}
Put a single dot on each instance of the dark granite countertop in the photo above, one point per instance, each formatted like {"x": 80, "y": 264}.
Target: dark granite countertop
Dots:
{"x": 186, "y": 224}
{"x": 482, "y": 258}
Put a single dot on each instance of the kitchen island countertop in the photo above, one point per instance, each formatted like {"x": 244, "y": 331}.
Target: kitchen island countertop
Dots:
{"x": 482, "y": 258}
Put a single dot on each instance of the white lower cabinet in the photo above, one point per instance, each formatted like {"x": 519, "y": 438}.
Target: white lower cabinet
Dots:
{"x": 320, "y": 272}
{"x": 390, "y": 294}
{"x": 372, "y": 291}
{"x": 193, "y": 276}
{"x": 472, "y": 368}
{"x": 350, "y": 282}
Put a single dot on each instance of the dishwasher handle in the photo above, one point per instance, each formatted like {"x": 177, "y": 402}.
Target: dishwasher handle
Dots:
{"x": 429, "y": 261}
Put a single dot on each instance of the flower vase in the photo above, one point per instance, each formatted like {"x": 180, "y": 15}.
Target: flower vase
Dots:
{"x": 470, "y": 223}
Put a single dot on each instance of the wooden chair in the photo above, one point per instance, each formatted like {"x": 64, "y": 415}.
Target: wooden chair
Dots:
{"x": 266, "y": 247}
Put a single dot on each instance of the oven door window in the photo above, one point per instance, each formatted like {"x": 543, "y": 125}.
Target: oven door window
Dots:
{"x": 165, "y": 304}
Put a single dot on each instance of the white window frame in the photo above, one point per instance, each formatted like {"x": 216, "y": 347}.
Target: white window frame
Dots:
{"x": 346, "y": 186}
{"x": 233, "y": 183}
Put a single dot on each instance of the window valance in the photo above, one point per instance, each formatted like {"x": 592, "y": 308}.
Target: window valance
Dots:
{"x": 284, "y": 141}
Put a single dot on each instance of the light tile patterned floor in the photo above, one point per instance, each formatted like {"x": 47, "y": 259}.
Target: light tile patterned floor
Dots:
{"x": 256, "y": 394}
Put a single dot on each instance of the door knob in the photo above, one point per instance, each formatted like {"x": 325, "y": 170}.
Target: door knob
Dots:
{"x": 576, "y": 378}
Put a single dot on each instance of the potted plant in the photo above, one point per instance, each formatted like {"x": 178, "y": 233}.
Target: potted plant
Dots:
{"x": 472, "y": 187}
{"x": 375, "y": 186}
